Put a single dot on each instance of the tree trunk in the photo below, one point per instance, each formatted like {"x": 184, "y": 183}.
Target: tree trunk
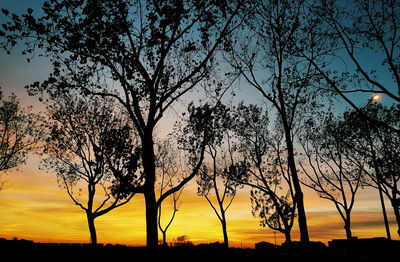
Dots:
{"x": 151, "y": 220}
{"x": 89, "y": 214}
{"x": 224, "y": 231}
{"x": 379, "y": 183}
{"x": 396, "y": 211}
{"x": 298, "y": 196}
{"x": 302, "y": 219}
{"x": 222, "y": 211}
{"x": 288, "y": 238}
{"x": 92, "y": 228}
{"x": 164, "y": 238}
{"x": 148, "y": 159}
{"x": 385, "y": 218}
{"x": 347, "y": 228}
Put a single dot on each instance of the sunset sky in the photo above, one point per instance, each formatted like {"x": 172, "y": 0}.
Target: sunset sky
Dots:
{"x": 34, "y": 207}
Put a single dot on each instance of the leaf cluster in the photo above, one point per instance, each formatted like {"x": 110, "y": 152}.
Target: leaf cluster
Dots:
{"x": 90, "y": 140}
{"x": 19, "y": 133}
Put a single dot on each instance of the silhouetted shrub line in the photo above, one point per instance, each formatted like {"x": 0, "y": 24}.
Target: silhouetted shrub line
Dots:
{"x": 345, "y": 250}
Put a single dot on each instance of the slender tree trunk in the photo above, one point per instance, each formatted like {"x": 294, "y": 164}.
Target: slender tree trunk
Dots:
{"x": 222, "y": 210}
{"x": 298, "y": 196}
{"x": 385, "y": 218}
{"x": 347, "y": 228}
{"x": 92, "y": 228}
{"x": 224, "y": 231}
{"x": 164, "y": 238}
{"x": 148, "y": 159}
{"x": 379, "y": 182}
{"x": 89, "y": 214}
{"x": 396, "y": 211}
{"x": 222, "y": 218}
{"x": 163, "y": 231}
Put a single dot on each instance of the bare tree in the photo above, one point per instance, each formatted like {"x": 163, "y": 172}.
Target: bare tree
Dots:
{"x": 333, "y": 169}
{"x": 18, "y": 134}
{"x": 216, "y": 182}
{"x": 154, "y": 52}
{"x": 169, "y": 168}
{"x": 217, "y": 186}
{"x": 175, "y": 208}
{"x": 91, "y": 144}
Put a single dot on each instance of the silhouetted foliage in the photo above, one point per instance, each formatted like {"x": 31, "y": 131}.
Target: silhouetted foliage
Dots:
{"x": 154, "y": 51}
{"x": 19, "y": 134}
{"x": 216, "y": 181}
{"x": 379, "y": 147}
{"x": 356, "y": 249}
{"x": 265, "y": 55}
{"x": 91, "y": 144}
{"x": 264, "y": 169}
{"x": 342, "y": 35}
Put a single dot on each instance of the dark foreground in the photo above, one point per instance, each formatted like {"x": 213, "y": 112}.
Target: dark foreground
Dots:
{"x": 377, "y": 249}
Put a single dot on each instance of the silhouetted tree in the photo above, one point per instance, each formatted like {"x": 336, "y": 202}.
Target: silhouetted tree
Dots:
{"x": 152, "y": 52}
{"x": 91, "y": 144}
{"x": 168, "y": 169}
{"x": 333, "y": 169}
{"x": 266, "y": 57}
{"x": 216, "y": 182}
{"x": 18, "y": 134}
{"x": 175, "y": 208}
{"x": 265, "y": 169}
{"x": 342, "y": 35}
{"x": 379, "y": 146}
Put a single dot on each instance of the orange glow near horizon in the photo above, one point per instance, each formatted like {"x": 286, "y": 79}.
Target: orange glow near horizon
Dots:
{"x": 34, "y": 207}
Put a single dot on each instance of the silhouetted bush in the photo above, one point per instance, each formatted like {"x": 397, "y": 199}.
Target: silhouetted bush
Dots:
{"x": 182, "y": 241}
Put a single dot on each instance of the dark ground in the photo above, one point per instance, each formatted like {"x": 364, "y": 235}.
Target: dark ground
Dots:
{"x": 376, "y": 249}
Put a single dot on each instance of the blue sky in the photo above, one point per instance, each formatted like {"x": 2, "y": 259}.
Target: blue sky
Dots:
{"x": 15, "y": 72}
